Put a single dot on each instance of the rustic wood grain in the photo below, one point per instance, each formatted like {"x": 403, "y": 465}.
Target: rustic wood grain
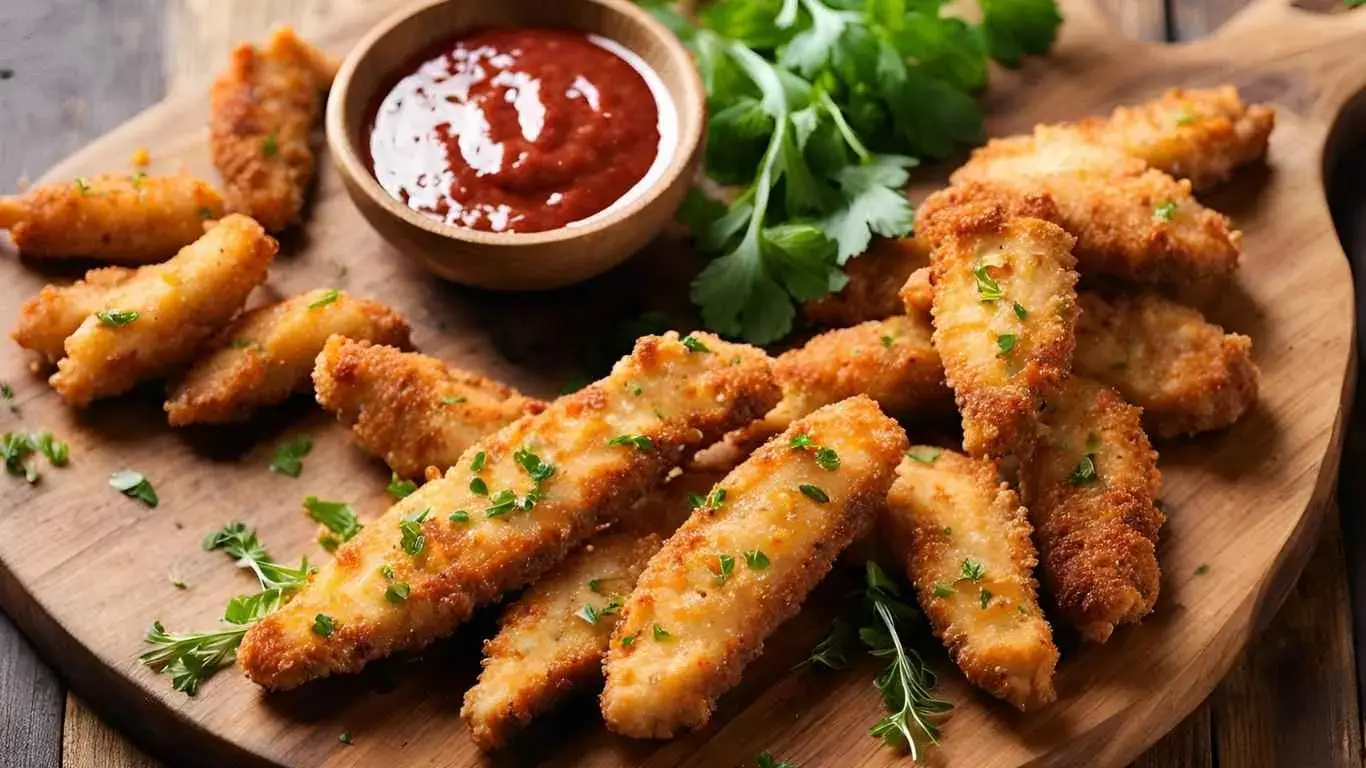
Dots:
{"x": 88, "y": 741}
{"x": 1139, "y": 19}
{"x": 31, "y": 723}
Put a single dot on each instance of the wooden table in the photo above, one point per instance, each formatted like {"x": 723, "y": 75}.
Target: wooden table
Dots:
{"x": 73, "y": 69}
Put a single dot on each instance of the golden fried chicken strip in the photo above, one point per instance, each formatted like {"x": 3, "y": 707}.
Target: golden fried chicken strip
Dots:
{"x": 1186, "y": 374}
{"x": 1004, "y": 310}
{"x": 262, "y": 110}
{"x": 178, "y": 304}
{"x": 411, "y": 410}
{"x": 551, "y": 640}
{"x": 892, "y": 361}
{"x": 1090, "y": 486}
{"x": 1200, "y": 135}
{"x": 517, "y": 502}
{"x": 267, "y": 354}
{"x": 57, "y": 311}
{"x": 116, "y": 218}
{"x": 742, "y": 565}
{"x": 963, "y": 539}
{"x": 874, "y": 278}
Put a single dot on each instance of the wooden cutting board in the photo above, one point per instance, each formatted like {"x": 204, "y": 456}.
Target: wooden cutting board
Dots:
{"x": 84, "y": 570}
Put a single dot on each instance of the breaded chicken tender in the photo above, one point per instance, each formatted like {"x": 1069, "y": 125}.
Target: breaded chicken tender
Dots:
{"x": 155, "y": 322}
{"x": 57, "y": 311}
{"x": 120, "y": 219}
{"x": 874, "y": 278}
{"x": 1200, "y": 135}
{"x": 1004, "y": 311}
{"x": 267, "y": 354}
{"x": 1185, "y": 372}
{"x": 743, "y": 564}
{"x": 515, "y": 505}
{"x": 411, "y": 410}
{"x": 1090, "y": 486}
{"x": 1130, "y": 221}
{"x": 892, "y": 361}
{"x": 963, "y": 539}
{"x": 551, "y": 640}
{"x": 262, "y": 111}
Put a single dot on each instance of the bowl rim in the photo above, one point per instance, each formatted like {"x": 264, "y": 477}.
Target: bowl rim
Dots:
{"x": 339, "y": 132}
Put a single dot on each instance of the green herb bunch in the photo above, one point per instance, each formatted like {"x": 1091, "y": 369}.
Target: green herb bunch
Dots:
{"x": 818, "y": 108}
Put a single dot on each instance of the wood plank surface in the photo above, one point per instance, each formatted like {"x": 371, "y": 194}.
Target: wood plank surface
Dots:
{"x": 200, "y": 33}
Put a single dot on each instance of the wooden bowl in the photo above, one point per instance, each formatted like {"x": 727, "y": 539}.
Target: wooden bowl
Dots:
{"x": 512, "y": 261}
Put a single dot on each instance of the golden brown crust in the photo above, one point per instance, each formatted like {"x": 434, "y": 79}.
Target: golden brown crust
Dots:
{"x": 1200, "y": 135}
{"x": 658, "y": 684}
{"x": 411, "y": 410}
{"x": 121, "y": 219}
{"x": 1097, "y": 531}
{"x": 1003, "y": 354}
{"x": 874, "y": 277}
{"x": 687, "y": 398}
{"x": 267, "y": 354}
{"x": 262, "y": 111}
{"x": 975, "y": 206}
{"x": 1130, "y": 222}
{"x": 944, "y": 511}
{"x": 1186, "y": 374}
{"x": 180, "y": 304}
{"x": 57, "y": 311}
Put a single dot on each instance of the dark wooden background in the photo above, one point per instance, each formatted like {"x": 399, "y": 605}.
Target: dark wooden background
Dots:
{"x": 73, "y": 69}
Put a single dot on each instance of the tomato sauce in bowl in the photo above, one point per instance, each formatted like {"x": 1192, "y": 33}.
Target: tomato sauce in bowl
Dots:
{"x": 522, "y": 130}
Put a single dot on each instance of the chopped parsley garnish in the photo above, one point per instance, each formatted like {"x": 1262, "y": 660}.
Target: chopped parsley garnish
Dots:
{"x": 716, "y": 498}
{"x": 1020, "y": 311}
{"x": 477, "y": 463}
{"x": 7, "y": 394}
{"x": 802, "y": 441}
{"x": 179, "y": 584}
{"x": 479, "y": 487}
{"x": 827, "y": 459}
{"x": 329, "y": 297}
{"x": 814, "y": 493}
{"x": 987, "y": 287}
{"x": 289, "y": 457}
{"x": 114, "y": 318}
{"x": 641, "y": 443}
{"x": 459, "y": 516}
{"x": 412, "y": 540}
{"x": 726, "y": 566}
{"x": 58, "y": 453}
{"x": 400, "y": 488}
{"x": 344, "y": 737}
{"x": 765, "y": 760}
{"x": 591, "y": 615}
{"x": 942, "y": 591}
{"x": 134, "y": 485}
{"x": 1085, "y": 473}
{"x": 1185, "y": 118}
{"x": 82, "y": 185}
{"x": 924, "y": 455}
{"x": 269, "y": 146}
{"x": 1005, "y": 343}
{"x": 387, "y": 571}
{"x": 696, "y": 501}
{"x": 984, "y": 597}
{"x": 947, "y": 530}
{"x": 335, "y": 516}
{"x": 972, "y": 570}
{"x": 323, "y": 625}
{"x": 501, "y": 503}
{"x": 661, "y": 633}
{"x": 241, "y": 544}
{"x": 756, "y": 560}
{"x": 398, "y": 592}
{"x": 453, "y": 400}
{"x": 629, "y": 640}
{"x": 1201, "y": 570}
{"x": 539, "y": 470}
{"x": 205, "y": 213}
{"x": 887, "y": 341}
{"x": 15, "y": 447}
{"x": 138, "y": 179}
{"x": 694, "y": 344}
{"x": 1165, "y": 211}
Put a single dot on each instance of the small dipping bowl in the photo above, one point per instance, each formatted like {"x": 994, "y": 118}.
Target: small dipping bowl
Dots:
{"x": 512, "y": 261}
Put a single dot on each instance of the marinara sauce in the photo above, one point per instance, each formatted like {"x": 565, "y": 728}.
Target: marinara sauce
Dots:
{"x": 520, "y": 130}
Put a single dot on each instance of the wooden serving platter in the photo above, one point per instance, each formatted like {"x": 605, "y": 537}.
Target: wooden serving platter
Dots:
{"x": 84, "y": 570}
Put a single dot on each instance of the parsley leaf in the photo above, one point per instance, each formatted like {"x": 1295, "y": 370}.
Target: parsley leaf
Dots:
{"x": 113, "y": 318}
{"x": 1164, "y": 211}
{"x": 766, "y": 760}
{"x": 756, "y": 560}
{"x": 399, "y": 488}
{"x": 134, "y": 485}
{"x": 815, "y": 494}
{"x": 328, "y": 297}
{"x": 924, "y": 455}
{"x": 641, "y": 443}
{"x": 289, "y": 457}
{"x": 1085, "y": 472}
{"x": 1013, "y": 28}
{"x": 412, "y": 540}
{"x": 323, "y": 625}
{"x": 336, "y": 516}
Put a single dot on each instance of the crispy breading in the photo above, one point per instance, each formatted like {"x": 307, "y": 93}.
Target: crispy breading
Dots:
{"x": 1200, "y": 135}
{"x": 267, "y": 354}
{"x": 548, "y": 645}
{"x": 1090, "y": 486}
{"x": 1130, "y": 221}
{"x": 701, "y": 611}
{"x": 530, "y": 493}
{"x": 180, "y": 304}
{"x": 57, "y": 311}
{"x": 962, "y": 537}
{"x": 262, "y": 111}
{"x": 874, "y": 278}
{"x": 1004, "y": 310}
{"x": 411, "y": 410}
{"x": 892, "y": 361}
{"x": 117, "y": 218}
{"x": 1185, "y": 372}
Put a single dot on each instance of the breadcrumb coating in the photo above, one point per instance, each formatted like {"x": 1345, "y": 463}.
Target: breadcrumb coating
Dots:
{"x": 963, "y": 539}
{"x": 117, "y": 218}
{"x": 57, "y": 311}
{"x": 874, "y": 278}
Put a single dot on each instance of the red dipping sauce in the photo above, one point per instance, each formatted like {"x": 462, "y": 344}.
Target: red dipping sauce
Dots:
{"x": 522, "y": 130}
